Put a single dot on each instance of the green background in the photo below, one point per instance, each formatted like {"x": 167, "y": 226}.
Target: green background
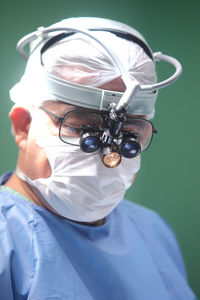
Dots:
{"x": 169, "y": 179}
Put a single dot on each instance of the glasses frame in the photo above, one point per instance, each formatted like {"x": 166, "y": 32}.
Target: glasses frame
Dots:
{"x": 102, "y": 115}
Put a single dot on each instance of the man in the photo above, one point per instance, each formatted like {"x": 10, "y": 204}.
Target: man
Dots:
{"x": 80, "y": 121}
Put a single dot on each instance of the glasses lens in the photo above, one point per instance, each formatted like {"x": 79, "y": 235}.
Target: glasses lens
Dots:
{"x": 143, "y": 130}
{"x": 73, "y": 123}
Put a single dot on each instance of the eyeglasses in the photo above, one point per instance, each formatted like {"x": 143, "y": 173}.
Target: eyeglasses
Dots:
{"x": 75, "y": 121}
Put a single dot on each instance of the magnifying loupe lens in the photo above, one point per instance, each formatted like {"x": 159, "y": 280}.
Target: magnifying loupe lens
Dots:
{"x": 89, "y": 143}
{"x": 130, "y": 148}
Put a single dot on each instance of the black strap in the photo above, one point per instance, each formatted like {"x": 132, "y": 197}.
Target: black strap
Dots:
{"x": 132, "y": 38}
{"x": 126, "y": 36}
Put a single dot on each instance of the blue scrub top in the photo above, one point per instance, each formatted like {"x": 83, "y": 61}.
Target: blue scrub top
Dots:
{"x": 132, "y": 256}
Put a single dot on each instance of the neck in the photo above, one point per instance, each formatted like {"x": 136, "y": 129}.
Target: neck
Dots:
{"x": 23, "y": 188}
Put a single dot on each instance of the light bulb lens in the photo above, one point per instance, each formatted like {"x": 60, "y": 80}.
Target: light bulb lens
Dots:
{"x": 112, "y": 159}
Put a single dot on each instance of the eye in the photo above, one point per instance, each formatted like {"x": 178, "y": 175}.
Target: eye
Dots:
{"x": 70, "y": 131}
{"x": 75, "y": 130}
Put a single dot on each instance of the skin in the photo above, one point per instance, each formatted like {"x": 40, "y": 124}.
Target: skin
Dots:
{"x": 32, "y": 160}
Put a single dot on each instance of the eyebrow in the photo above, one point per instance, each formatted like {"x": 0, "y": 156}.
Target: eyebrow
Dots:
{"x": 54, "y": 116}
{"x": 58, "y": 110}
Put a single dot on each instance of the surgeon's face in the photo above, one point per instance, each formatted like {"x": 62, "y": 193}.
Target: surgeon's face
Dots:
{"x": 32, "y": 159}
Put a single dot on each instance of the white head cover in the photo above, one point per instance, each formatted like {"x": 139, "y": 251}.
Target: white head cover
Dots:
{"x": 81, "y": 60}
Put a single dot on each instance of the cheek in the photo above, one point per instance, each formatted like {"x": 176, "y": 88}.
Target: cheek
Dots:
{"x": 43, "y": 126}
{"x": 36, "y": 162}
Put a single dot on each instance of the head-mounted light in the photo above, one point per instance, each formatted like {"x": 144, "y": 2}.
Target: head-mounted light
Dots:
{"x": 137, "y": 98}
{"x": 141, "y": 102}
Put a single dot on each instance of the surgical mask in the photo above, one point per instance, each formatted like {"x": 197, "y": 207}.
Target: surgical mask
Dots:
{"x": 80, "y": 187}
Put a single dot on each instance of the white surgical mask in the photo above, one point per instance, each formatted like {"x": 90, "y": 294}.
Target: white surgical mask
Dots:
{"x": 80, "y": 187}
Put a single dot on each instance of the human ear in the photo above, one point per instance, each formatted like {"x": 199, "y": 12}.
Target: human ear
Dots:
{"x": 21, "y": 120}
